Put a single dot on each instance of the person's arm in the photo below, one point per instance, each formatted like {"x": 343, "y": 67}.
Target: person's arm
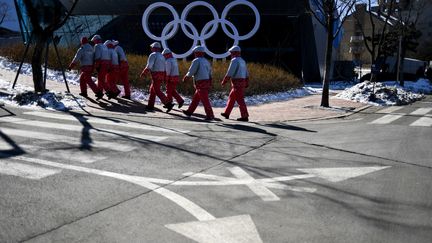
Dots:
{"x": 230, "y": 73}
{"x": 149, "y": 66}
{"x": 192, "y": 70}
{"x": 76, "y": 59}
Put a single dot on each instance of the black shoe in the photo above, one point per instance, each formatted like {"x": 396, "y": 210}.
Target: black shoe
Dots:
{"x": 180, "y": 104}
{"x": 209, "y": 118}
{"x": 169, "y": 107}
{"x": 99, "y": 95}
{"x": 148, "y": 108}
{"x": 188, "y": 114}
{"x": 225, "y": 115}
{"x": 245, "y": 119}
{"x": 116, "y": 94}
{"x": 84, "y": 95}
{"x": 126, "y": 97}
{"x": 109, "y": 95}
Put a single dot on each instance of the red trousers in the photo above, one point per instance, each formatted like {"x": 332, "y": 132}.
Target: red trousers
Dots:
{"x": 202, "y": 88}
{"x": 86, "y": 79}
{"x": 157, "y": 79}
{"x": 237, "y": 94}
{"x": 171, "y": 84}
{"x": 102, "y": 68}
{"x": 124, "y": 77}
{"x": 111, "y": 79}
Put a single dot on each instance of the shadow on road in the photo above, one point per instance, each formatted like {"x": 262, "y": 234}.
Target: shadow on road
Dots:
{"x": 16, "y": 150}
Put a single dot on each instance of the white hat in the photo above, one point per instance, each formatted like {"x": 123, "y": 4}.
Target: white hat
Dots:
{"x": 166, "y": 51}
{"x": 115, "y": 42}
{"x": 198, "y": 49}
{"x": 107, "y": 42}
{"x": 235, "y": 49}
{"x": 155, "y": 45}
{"x": 96, "y": 37}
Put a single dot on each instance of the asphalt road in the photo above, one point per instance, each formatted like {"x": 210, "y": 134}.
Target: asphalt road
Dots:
{"x": 71, "y": 177}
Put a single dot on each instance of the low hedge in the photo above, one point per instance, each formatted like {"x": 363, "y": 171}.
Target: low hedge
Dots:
{"x": 263, "y": 78}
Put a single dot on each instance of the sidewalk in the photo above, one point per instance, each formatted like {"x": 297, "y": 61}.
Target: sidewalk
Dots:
{"x": 304, "y": 108}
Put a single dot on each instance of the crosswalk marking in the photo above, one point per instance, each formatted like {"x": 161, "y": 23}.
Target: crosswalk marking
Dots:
{"x": 390, "y": 109}
{"x": 80, "y": 128}
{"x": 66, "y": 139}
{"x": 386, "y": 119}
{"x": 421, "y": 111}
{"x": 111, "y": 122}
{"x": 26, "y": 171}
{"x": 422, "y": 122}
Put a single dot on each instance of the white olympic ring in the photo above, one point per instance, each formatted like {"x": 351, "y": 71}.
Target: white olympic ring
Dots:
{"x": 208, "y": 30}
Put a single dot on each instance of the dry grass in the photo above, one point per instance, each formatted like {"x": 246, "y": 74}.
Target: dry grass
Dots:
{"x": 263, "y": 78}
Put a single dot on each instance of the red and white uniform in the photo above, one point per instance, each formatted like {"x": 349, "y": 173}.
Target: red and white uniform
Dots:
{"x": 200, "y": 70}
{"x": 238, "y": 73}
{"x": 102, "y": 59}
{"x": 156, "y": 66}
{"x": 84, "y": 56}
{"x": 113, "y": 71}
{"x": 172, "y": 77}
{"x": 124, "y": 69}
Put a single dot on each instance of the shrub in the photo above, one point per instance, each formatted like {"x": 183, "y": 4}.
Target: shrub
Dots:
{"x": 263, "y": 78}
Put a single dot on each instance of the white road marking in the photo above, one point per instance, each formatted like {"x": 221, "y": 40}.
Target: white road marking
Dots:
{"x": 238, "y": 229}
{"x": 80, "y": 128}
{"x": 422, "y": 122}
{"x": 421, "y": 111}
{"x": 112, "y": 122}
{"x": 183, "y": 202}
{"x": 389, "y": 110}
{"x": 26, "y": 171}
{"x": 342, "y": 173}
{"x": 65, "y": 139}
{"x": 73, "y": 155}
{"x": 263, "y": 192}
{"x": 386, "y": 119}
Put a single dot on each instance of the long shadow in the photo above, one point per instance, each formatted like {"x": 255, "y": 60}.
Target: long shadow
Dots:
{"x": 15, "y": 151}
{"x": 10, "y": 113}
{"x": 86, "y": 139}
{"x": 288, "y": 127}
{"x": 246, "y": 128}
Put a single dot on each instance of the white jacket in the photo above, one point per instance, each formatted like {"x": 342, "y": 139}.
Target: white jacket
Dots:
{"x": 200, "y": 69}
{"x": 237, "y": 69}
{"x": 171, "y": 67}
{"x": 114, "y": 57}
{"x": 121, "y": 54}
{"x": 101, "y": 52}
{"x": 84, "y": 55}
{"x": 156, "y": 62}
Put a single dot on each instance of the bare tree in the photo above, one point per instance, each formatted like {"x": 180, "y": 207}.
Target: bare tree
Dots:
{"x": 331, "y": 14}
{"x": 45, "y": 17}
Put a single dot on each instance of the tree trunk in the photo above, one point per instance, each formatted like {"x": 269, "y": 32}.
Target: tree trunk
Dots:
{"x": 41, "y": 39}
{"x": 328, "y": 62}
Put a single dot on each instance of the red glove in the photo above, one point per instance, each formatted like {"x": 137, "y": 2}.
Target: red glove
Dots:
{"x": 225, "y": 80}
{"x": 186, "y": 78}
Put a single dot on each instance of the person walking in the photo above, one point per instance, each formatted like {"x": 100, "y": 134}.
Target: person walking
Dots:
{"x": 156, "y": 67}
{"x": 239, "y": 76}
{"x": 172, "y": 77}
{"x": 124, "y": 70}
{"x": 200, "y": 70}
{"x": 113, "y": 71}
{"x": 102, "y": 62}
{"x": 84, "y": 56}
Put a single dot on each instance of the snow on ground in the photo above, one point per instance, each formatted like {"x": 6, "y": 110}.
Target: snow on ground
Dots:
{"x": 387, "y": 93}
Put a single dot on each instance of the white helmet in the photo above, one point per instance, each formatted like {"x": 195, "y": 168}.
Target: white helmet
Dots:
{"x": 96, "y": 37}
{"x": 107, "y": 42}
{"x": 198, "y": 49}
{"x": 155, "y": 45}
{"x": 235, "y": 49}
{"x": 166, "y": 51}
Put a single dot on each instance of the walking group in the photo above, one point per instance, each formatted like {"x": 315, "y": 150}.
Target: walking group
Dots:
{"x": 109, "y": 60}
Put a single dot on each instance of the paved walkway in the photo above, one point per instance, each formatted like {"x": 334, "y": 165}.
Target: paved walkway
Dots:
{"x": 296, "y": 109}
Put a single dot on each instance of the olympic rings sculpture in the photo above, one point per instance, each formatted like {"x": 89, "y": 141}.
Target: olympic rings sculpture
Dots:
{"x": 208, "y": 30}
